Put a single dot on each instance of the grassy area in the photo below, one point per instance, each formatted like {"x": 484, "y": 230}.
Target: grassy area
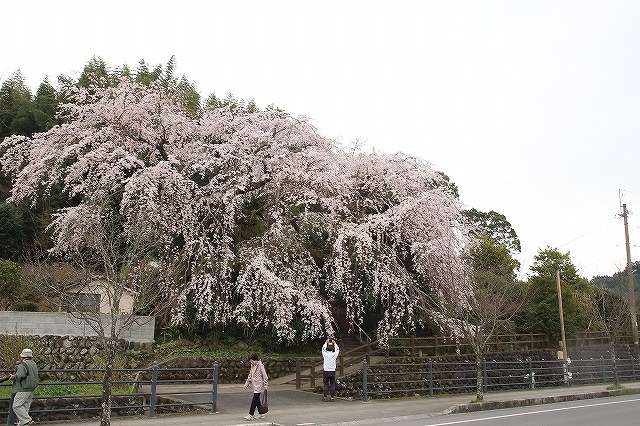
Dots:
{"x": 169, "y": 349}
{"x": 53, "y": 389}
{"x": 615, "y": 387}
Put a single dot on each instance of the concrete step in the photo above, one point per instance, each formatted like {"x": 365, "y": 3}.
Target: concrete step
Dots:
{"x": 351, "y": 344}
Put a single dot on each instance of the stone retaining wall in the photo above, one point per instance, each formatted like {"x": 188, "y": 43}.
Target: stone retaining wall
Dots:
{"x": 74, "y": 353}
{"x": 80, "y": 408}
{"x": 230, "y": 370}
{"x": 386, "y": 380}
{"x": 63, "y": 352}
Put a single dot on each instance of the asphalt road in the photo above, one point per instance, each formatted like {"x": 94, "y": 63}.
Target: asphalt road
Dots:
{"x": 592, "y": 405}
{"x": 614, "y": 411}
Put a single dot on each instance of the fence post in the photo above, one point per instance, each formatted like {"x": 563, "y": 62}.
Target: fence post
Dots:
{"x": 633, "y": 367}
{"x": 154, "y": 389}
{"x": 603, "y": 373}
{"x": 298, "y": 368}
{"x": 532, "y": 381}
{"x": 11, "y": 416}
{"x": 365, "y": 391}
{"x": 485, "y": 376}
{"x": 214, "y": 391}
{"x": 530, "y": 341}
{"x": 313, "y": 375}
{"x": 430, "y": 370}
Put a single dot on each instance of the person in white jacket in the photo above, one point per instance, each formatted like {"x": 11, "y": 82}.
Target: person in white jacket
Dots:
{"x": 330, "y": 352}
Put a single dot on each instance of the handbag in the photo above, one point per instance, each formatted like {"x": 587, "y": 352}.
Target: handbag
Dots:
{"x": 263, "y": 408}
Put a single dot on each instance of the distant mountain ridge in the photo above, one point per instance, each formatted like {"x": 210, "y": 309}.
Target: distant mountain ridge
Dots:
{"x": 618, "y": 281}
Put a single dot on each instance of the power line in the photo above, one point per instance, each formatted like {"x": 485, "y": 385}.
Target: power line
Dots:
{"x": 523, "y": 273}
{"x": 608, "y": 255}
{"x": 588, "y": 232}
{"x": 628, "y": 192}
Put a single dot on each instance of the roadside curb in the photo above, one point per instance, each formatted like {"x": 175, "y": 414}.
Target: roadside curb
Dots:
{"x": 256, "y": 424}
{"x": 495, "y": 405}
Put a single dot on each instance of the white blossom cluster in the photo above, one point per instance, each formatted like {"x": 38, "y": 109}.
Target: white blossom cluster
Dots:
{"x": 270, "y": 222}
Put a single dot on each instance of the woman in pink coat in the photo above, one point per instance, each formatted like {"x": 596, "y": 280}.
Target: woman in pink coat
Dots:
{"x": 259, "y": 380}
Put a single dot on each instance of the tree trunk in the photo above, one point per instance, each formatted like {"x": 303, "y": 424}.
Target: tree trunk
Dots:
{"x": 616, "y": 379}
{"x": 479, "y": 393}
{"x": 105, "y": 415}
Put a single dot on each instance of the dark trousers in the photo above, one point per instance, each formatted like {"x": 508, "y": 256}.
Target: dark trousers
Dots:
{"x": 329, "y": 383}
{"x": 255, "y": 402}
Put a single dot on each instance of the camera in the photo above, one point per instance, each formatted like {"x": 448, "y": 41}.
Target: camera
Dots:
{"x": 331, "y": 345}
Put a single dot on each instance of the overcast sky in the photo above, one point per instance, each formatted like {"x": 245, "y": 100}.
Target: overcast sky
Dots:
{"x": 531, "y": 108}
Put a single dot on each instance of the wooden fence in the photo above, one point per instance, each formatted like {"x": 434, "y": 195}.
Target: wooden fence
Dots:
{"x": 437, "y": 345}
{"x": 309, "y": 370}
{"x": 593, "y": 338}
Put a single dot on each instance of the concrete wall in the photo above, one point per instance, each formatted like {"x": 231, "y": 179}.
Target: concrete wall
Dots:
{"x": 63, "y": 324}
{"x": 105, "y": 291}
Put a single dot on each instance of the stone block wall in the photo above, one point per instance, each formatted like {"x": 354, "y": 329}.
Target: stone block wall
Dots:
{"x": 78, "y": 408}
{"x": 74, "y": 352}
{"x": 64, "y": 352}
{"x": 230, "y": 370}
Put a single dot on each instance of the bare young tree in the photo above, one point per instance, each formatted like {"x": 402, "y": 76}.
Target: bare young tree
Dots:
{"x": 109, "y": 267}
{"x": 491, "y": 299}
{"x": 611, "y": 311}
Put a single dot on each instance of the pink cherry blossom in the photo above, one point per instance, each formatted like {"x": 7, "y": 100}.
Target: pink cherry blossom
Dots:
{"x": 270, "y": 221}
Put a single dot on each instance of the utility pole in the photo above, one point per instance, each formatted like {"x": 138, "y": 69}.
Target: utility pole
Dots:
{"x": 564, "y": 339}
{"x": 565, "y": 357}
{"x": 630, "y": 286}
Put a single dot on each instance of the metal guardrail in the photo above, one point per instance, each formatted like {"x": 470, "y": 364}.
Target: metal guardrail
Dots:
{"x": 310, "y": 369}
{"x": 361, "y": 332}
{"x": 435, "y": 377}
{"x": 152, "y": 401}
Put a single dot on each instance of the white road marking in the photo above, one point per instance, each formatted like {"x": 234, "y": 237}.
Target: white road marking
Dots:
{"x": 459, "y": 422}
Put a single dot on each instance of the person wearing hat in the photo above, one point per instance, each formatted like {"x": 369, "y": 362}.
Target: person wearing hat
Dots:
{"x": 25, "y": 380}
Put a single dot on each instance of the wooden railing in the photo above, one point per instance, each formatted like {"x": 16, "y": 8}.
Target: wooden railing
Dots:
{"x": 437, "y": 345}
{"x": 310, "y": 369}
{"x": 315, "y": 369}
{"x": 591, "y": 338}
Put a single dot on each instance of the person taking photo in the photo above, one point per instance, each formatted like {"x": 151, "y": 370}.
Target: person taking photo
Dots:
{"x": 330, "y": 352}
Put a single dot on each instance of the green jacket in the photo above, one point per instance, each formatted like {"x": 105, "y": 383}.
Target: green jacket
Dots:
{"x": 26, "y": 377}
